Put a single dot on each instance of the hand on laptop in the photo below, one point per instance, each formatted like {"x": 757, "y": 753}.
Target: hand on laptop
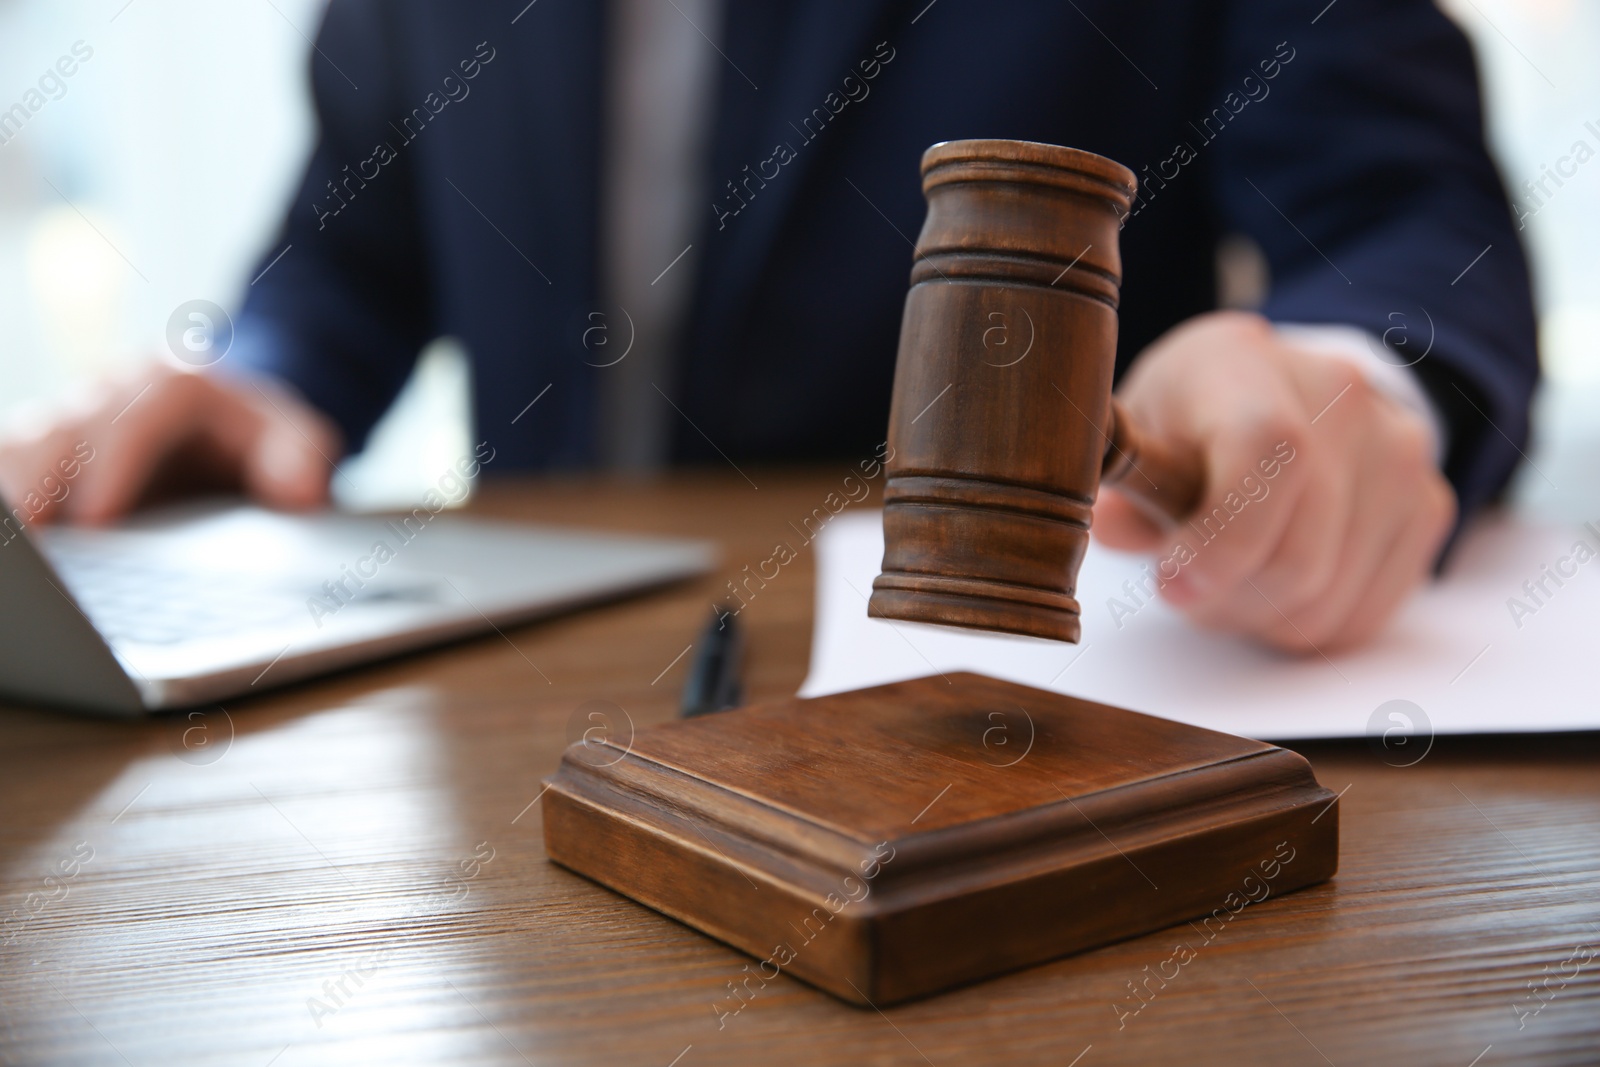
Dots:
{"x": 159, "y": 432}
{"x": 1310, "y": 535}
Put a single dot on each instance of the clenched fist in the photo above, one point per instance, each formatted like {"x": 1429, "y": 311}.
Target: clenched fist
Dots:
{"x": 1324, "y": 506}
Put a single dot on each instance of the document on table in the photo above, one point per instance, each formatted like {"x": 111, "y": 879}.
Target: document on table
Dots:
{"x": 1476, "y": 651}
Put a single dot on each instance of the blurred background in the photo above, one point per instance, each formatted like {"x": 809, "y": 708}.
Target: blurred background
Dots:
{"x": 157, "y": 172}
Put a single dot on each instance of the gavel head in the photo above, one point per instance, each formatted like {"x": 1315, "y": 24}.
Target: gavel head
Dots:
{"x": 1002, "y": 414}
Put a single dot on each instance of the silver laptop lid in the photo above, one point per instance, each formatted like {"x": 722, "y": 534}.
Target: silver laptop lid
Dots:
{"x": 49, "y": 651}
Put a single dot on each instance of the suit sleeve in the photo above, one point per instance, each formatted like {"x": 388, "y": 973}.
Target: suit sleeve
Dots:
{"x": 1364, "y": 177}
{"x": 342, "y": 314}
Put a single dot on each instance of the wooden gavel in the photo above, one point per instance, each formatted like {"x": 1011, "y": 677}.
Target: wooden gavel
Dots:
{"x": 1003, "y": 428}
{"x": 1003, "y": 425}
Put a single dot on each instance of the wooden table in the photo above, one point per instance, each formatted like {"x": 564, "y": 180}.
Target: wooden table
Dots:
{"x": 351, "y": 871}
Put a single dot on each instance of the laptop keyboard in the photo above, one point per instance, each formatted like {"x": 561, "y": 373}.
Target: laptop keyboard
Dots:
{"x": 131, "y": 599}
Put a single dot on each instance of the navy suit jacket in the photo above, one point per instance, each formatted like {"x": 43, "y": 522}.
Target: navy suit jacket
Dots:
{"x": 453, "y": 190}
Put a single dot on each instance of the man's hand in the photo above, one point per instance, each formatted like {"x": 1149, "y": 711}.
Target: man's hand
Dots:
{"x": 160, "y": 432}
{"x": 1323, "y": 504}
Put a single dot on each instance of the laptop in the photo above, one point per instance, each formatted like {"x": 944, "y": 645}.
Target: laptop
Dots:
{"x": 206, "y": 602}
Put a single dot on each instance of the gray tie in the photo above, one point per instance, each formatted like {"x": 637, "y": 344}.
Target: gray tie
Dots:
{"x": 660, "y": 79}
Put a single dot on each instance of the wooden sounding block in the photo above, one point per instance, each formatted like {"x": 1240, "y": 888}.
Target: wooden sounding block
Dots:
{"x": 889, "y": 843}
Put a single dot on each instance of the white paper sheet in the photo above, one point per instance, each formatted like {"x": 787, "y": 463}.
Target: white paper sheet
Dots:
{"x": 1455, "y": 650}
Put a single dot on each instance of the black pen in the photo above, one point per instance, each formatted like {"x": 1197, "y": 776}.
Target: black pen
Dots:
{"x": 714, "y": 677}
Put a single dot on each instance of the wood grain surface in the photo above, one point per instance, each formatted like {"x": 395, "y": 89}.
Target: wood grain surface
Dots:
{"x": 379, "y": 832}
{"x": 896, "y": 841}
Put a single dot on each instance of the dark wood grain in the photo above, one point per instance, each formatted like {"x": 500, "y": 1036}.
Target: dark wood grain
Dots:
{"x": 888, "y": 843}
{"x": 333, "y": 828}
{"x": 1001, "y": 424}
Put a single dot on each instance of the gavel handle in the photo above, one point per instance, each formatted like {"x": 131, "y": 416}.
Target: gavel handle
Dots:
{"x": 1166, "y": 483}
